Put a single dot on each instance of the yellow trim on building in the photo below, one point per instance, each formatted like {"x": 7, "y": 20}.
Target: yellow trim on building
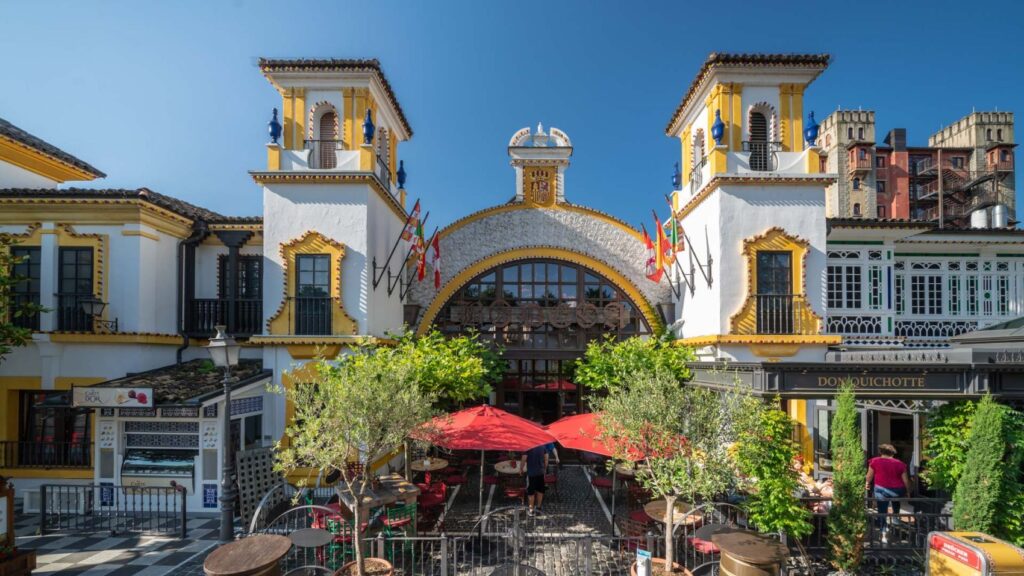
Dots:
{"x": 736, "y": 117}
{"x": 348, "y": 128}
{"x": 288, "y": 118}
{"x": 141, "y": 233}
{"x": 299, "y": 101}
{"x": 759, "y": 339}
{"x": 797, "y": 410}
{"x": 28, "y": 158}
{"x": 10, "y": 391}
{"x": 687, "y": 160}
{"x": 488, "y": 212}
{"x": 813, "y": 160}
{"x": 450, "y": 288}
{"x": 312, "y": 242}
{"x": 777, "y": 240}
{"x": 54, "y": 473}
{"x": 785, "y": 134}
{"x": 118, "y": 338}
{"x": 743, "y": 180}
{"x": 93, "y": 211}
{"x": 798, "y": 116}
{"x": 273, "y": 156}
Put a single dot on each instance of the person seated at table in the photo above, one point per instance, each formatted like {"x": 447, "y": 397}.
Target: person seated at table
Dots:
{"x": 535, "y": 465}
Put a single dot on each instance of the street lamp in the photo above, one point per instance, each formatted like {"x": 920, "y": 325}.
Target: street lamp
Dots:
{"x": 224, "y": 352}
{"x": 93, "y": 308}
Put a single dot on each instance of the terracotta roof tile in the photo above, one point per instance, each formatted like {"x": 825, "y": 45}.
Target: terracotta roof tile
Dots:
{"x": 175, "y": 205}
{"x": 11, "y": 131}
{"x": 189, "y": 382}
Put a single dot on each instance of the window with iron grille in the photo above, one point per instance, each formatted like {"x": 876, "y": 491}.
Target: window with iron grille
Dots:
{"x": 875, "y": 281}
{"x": 25, "y": 292}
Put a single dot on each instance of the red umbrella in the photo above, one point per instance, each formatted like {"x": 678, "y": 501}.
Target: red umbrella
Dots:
{"x": 484, "y": 428}
{"x": 581, "y": 432}
{"x": 556, "y": 385}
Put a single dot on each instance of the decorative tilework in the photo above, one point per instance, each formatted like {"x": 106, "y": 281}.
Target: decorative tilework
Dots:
{"x": 165, "y": 427}
{"x": 210, "y": 411}
{"x": 163, "y": 440}
{"x": 210, "y": 435}
{"x": 180, "y": 412}
{"x": 105, "y": 434}
{"x": 136, "y": 412}
{"x": 107, "y": 412}
{"x": 246, "y": 405}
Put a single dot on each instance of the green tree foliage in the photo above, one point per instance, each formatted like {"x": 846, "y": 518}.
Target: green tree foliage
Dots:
{"x": 353, "y": 412}
{"x": 766, "y": 451}
{"x": 11, "y": 336}
{"x": 988, "y": 492}
{"x": 608, "y": 362}
{"x": 680, "y": 434}
{"x": 847, "y": 519}
{"x": 946, "y": 432}
{"x": 452, "y": 370}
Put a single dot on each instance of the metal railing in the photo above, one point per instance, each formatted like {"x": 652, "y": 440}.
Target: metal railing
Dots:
{"x": 18, "y": 301}
{"x": 383, "y": 172}
{"x": 763, "y": 155}
{"x": 71, "y": 315}
{"x": 29, "y": 454}
{"x": 697, "y": 176}
{"x": 1001, "y": 166}
{"x": 776, "y": 314}
{"x": 311, "y": 315}
{"x": 859, "y": 164}
{"x": 929, "y": 166}
{"x": 323, "y": 153}
{"x": 206, "y": 313}
{"x": 890, "y": 532}
{"x": 115, "y": 509}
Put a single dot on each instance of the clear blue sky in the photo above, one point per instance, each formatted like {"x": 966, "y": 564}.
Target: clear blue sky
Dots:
{"x": 167, "y": 95}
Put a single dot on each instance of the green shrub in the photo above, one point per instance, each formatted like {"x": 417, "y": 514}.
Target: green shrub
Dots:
{"x": 847, "y": 519}
{"x": 608, "y": 363}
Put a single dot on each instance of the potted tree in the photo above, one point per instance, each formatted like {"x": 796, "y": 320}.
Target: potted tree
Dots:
{"x": 356, "y": 411}
{"x": 681, "y": 434}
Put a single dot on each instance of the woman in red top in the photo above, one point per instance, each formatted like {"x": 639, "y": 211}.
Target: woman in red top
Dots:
{"x": 890, "y": 479}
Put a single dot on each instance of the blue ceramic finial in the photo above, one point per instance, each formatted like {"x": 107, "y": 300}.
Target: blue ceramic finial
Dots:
{"x": 811, "y": 132}
{"x": 401, "y": 174}
{"x": 274, "y": 127}
{"x": 368, "y": 127}
{"x": 677, "y": 178}
{"x": 718, "y": 128}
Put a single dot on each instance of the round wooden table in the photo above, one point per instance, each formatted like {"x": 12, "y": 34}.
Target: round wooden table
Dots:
{"x": 258, "y": 555}
{"x": 747, "y": 553}
{"x": 428, "y": 464}
{"x": 656, "y": 510}
{"x": 311, "y": 537}
{"x": 625, "y": 470}
{"x": 509, "y": 467}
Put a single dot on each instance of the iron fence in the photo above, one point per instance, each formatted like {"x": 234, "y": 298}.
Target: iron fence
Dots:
{"x": 28, "y": 454}
{"x": 71, "y": 314}
{"x": 115, "y": 509}
{"x": 207, "y": 313}
{"x": 892, "y": 531}
{"x": 764, "y": 156}
{"x": 311, "y": 315}
{"x": 776, "y": 314}
{"x": 323, "y": 154}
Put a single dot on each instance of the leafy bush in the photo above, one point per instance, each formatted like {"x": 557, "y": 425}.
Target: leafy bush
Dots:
{"x": 608, "y": 363}
{"x": 946, "y": 433}
{"x": 766, "y": 452}
{"x": 847, "y": 519}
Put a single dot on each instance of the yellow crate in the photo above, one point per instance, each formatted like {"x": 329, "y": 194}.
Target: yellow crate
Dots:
{"x": 972, "y": 554}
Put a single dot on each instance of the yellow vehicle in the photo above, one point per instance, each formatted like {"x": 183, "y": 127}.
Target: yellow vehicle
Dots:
{"x": 972, "y": 554}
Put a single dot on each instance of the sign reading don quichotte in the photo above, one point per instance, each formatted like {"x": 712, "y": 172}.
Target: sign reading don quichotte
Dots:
{"x": 872, "y": 382}
{"x": 586, "y": 315}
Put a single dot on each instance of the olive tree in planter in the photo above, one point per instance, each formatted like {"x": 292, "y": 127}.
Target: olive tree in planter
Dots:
{"x": 351, "y": 414}
{"x": 681, "y": 432}
{"x": 847, "y": 519}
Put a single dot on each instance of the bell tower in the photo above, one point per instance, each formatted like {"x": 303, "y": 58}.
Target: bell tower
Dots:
{"x": 540, "y": 160}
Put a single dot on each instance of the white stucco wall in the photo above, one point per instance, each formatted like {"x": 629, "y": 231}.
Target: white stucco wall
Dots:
{"x": 385, "y": 312}
{"x": 699, "y": 312}
{"x": 12, "y": 176}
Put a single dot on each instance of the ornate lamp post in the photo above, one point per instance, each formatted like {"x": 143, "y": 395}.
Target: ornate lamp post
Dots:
{"x": 224, "y": 352}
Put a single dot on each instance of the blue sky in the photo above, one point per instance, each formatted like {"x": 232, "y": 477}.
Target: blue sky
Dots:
{"x": 167, "y": 95}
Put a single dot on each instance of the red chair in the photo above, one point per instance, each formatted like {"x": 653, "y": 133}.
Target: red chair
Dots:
{"x": 703, "y": 546}
{"x": 455, "y": 480}
{"x": 435, "y": 496}
{"x": 602, "y": 483}
{"x": 512, "y": 487}
{"x": 641, "y": 517}
{"x": 491, "y": 481}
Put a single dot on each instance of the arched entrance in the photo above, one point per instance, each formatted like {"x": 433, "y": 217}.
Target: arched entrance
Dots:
{"x": 542, "y": 311}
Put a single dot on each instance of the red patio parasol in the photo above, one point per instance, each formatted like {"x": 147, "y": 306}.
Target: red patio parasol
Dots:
{"x": 581, "y": 432}
{"x": 556, "y": 385}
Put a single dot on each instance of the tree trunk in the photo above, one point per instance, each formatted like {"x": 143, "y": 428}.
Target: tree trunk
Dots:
{"x": 357, "y": 533}
{"x": 670, "y": 508}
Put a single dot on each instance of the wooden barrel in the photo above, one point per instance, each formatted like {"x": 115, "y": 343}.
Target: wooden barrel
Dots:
{"x": 749, "y": 554}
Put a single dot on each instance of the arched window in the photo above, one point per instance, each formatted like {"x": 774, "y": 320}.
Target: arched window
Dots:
{"x": 856, "y": 183}
{"x": 988, "y": 134}
{"x": 327, "y": 140}
{"x": 828, "y": 140}
{"x": 698, "y": 148}
{"x": 999, "y": 134}
{"x": 856, "y": 209}
{"x": 849, "y": 133}
{"x": 758, "y": 142}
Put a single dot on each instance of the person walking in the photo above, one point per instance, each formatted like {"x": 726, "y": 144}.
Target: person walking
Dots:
{"x": 535, "y": 465}
{"x": 888, "y": 475}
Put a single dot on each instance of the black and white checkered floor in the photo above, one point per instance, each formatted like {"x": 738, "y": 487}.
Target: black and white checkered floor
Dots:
{"x": 105, "y": 555}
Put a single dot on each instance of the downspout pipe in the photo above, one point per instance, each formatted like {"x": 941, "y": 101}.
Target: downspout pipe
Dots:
{"x": 199, "y": 231}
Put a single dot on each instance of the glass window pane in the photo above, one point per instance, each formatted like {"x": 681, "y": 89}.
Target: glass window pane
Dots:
{"x": 568, "y": 274}
{"x": 538, "y": 272}
{"x": 526, "y": 270}
{"x": 552, "y": 272}
{"x": 510, "y": 274}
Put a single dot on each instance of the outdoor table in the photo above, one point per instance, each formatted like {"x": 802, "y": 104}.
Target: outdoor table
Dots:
{"x": 258, "y": 555}
{"x": 311, "y": 537}
{"x": 393, "y": 488}
{"x": 656, "y": 510}
{"x": 428, "y": 465}
{"x": 749, "y": 554}
{"x": 706, "y": 531}
{"x": 509, "y": 467}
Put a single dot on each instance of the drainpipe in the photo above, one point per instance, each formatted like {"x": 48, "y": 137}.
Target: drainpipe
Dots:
{"x": 199, "y": 231}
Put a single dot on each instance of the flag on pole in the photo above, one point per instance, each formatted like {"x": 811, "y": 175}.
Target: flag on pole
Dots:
{"x": 675, "y": 230}
{"x": 664, "y": 249}
{"x": 435, "y": 260}
{"x": 420, "y": 250}
{"x": 409, "y": 232}
{"x": 651, "y": 265}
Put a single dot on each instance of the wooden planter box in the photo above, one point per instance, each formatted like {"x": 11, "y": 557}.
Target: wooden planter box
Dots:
{"x": 21, "y": 565}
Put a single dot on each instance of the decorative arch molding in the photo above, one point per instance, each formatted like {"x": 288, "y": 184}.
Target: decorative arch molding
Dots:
{"x": 699, "y": 147}
{"x": 776, "y": 239}
{"x": 312, "y": 242}
{"x": 770, "y": 115}
{"x": 449, "y": 289}
{"x": 315, "y": 112}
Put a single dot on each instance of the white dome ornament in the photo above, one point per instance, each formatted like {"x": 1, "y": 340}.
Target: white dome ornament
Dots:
{"x": 540, "y": 139}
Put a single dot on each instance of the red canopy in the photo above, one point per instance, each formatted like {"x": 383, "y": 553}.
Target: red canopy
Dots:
{"x": 485, "y": 428}
{"x": 580, "y": 432}
{"x": 556, "y": 385}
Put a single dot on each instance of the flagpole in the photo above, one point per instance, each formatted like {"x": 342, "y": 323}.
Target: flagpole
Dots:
{"x": 405, "y": 261}
{"x": 426, "y": 245}
{"x": 377, "y": 279}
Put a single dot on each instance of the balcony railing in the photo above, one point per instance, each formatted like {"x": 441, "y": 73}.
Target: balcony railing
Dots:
{"x": 311, "y": 315}
{"x": 71, "y": 314}
{"x": 697, "y": 176}
{"x": 206, "y": 313}
{"x": 18, "y": 301}
{"x": 26, "y": 454}
{"x": 383, "y": 172}
{"x": 859, "y": 165}
{"x": 764, "y": 156}
{"x": 776, "y": 314}
{"x": 1001, "y": 166}
{"x": 323, "y": 153}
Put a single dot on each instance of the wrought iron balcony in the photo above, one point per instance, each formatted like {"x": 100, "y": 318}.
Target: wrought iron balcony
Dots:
{"x": 71, "y": 314}
{"x": 311, "y": 315}
{"x": 697, "y": 176}
{"x": 30, "y": 454}
{"x": 764, "y": 156}
{"x": 777, "y": 314}
{"x": 323, "y": 153}
{"x": 206, "y": 313}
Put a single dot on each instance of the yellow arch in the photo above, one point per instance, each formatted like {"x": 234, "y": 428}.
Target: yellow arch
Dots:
{"x": 516, "y": 254}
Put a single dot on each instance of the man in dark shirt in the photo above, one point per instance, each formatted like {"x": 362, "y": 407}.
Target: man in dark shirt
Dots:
{"x": 535, "y": 464}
